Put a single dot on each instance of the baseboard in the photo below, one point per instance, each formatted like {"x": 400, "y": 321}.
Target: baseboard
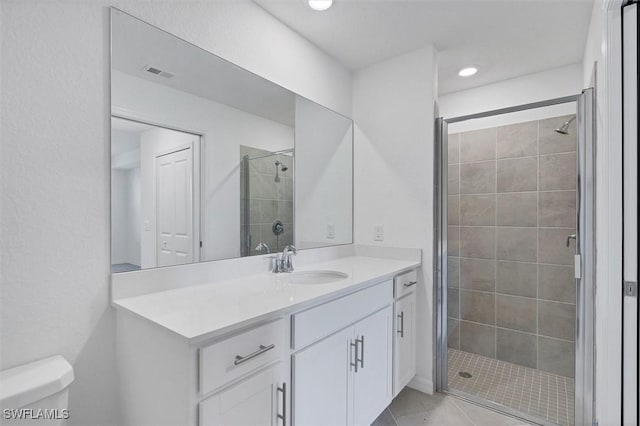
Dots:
{"x": 421, "y": 384}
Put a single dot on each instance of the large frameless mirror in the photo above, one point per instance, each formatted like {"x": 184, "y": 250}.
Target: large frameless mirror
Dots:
{"x": 210, "y": 161}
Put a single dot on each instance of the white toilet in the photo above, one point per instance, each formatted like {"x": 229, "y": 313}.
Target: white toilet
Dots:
{"x": 36, "y": 393}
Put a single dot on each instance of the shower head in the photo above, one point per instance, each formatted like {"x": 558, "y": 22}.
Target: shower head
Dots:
{"x": 564, "y": 129}
{"x": 283, "y": 168}
{"x": 280, "y": 168}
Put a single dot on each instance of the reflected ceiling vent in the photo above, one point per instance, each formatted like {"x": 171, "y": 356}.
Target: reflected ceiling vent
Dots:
{"x": 158, "y": 71}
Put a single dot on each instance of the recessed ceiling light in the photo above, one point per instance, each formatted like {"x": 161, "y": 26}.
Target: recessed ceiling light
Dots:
{"x": 467, "y": 72}
{"x": 320, "y": 4}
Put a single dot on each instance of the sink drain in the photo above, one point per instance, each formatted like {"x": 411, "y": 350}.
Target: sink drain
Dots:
{"x": 465, "y": 375}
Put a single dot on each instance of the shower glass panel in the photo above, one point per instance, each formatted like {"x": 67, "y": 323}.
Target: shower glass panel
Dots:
{"x": 511, "y": 292}
{"x": 266, "y": 200}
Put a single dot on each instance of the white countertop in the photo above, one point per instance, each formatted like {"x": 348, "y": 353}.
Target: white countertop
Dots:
{"x": 203, "y": 311}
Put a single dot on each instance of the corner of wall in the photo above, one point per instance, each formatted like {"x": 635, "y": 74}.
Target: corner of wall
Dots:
{"x": 393, "y": 110}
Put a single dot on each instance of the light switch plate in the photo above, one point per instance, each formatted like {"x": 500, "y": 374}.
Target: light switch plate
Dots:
{"x": 331, "y": 231}
{"x": 378, "y": 233}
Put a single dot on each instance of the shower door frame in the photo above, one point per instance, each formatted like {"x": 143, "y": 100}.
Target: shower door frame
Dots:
{"x": 584, "y": 262}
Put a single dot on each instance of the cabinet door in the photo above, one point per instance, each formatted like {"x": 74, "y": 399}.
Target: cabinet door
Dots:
{"x": 320, "y": 377}
{"x": 372, "y": 389}
{"x": 404, "y": 364}
{"x": 252, "y": 401}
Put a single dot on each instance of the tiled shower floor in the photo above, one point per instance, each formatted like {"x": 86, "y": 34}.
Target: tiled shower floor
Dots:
{"x": 534, "y": 392}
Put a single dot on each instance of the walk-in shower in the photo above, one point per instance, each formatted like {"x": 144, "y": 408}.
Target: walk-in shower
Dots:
{"x": 266, "y": 200}
{"x": 514, "y": 267}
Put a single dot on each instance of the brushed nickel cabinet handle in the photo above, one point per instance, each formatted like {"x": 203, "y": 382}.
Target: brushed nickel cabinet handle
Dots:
{"x": 361, "y": 341}
{"x": 401, "y": 331}
{"x": 410, "y": 283}
{"x": 354, "y": 347}
{"x": 283, "y": 416}
{"x": 240, "y": 359}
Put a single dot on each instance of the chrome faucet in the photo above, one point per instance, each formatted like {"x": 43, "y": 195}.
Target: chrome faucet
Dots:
{"x": 286, "y": 257}
{"x": 284, "y": 262}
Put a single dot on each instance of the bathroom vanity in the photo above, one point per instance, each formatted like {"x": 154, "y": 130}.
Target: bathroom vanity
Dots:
{"x": 271, "y": 349}
{"x": 228, "y": 166}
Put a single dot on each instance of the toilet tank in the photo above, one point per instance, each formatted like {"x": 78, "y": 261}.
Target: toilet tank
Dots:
{"x": 36, "y": 393}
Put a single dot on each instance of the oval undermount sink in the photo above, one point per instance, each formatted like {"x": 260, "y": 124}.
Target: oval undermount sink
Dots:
{"x": 315, "y": 277}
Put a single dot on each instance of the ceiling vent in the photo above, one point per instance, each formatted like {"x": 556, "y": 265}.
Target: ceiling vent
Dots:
{"x": 158, "y": 71}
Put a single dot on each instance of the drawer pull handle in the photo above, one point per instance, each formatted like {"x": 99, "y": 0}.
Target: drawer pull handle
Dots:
{"x": 410, "y": 283}
{"x": 240, "y": 359}
{"x": 401, "y": 331}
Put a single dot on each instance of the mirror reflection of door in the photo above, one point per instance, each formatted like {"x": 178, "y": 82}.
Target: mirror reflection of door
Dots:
{"x": 154, "y": 196}
{"x": 174, "y": 206}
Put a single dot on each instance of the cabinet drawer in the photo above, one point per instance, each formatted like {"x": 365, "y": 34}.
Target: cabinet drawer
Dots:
{"x": 405, "y": 283}
{"x": 254, "y": 400}
{"x": 235, "y": 356}
{"x": 321, "y": 321}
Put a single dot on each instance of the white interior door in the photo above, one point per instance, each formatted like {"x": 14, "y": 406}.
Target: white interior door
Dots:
{"x": 174, "y": 208}
{"x": 630, "y": 396}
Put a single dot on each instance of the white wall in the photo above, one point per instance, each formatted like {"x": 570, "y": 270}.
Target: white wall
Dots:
{"x": 134, "y": 213}
{"x": 544, "y": 85}
{"x": 393, "y": 110}
{"x": 603, "y": 43}
{"x": 125, "y": 241}
{"x": 55, "y": 165}
{"x": 324, "y": 183}
{"x": 125, "y": 216}
{"x": 125, "y": 199}
{"x": 223, "y": 129}
{"x": 119, "y": 216}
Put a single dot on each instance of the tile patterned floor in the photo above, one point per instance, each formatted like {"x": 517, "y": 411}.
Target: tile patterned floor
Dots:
{"x": 413, "y": 408}
{"x": 534, "y": 392}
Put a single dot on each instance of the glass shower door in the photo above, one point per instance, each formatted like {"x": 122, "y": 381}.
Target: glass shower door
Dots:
{"x": 508, "y": 294}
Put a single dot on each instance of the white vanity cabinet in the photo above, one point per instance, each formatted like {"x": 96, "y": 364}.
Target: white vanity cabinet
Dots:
{"x": 237, "y": 379}
{"x": 334, "y": 361}
{"x": 345, "y": 378}
{"x": 404, "y": 339}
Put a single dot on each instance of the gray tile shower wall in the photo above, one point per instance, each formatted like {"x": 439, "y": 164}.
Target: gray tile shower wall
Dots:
{"x": 512, "y": 204}
{"x": 267, "y": 199}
